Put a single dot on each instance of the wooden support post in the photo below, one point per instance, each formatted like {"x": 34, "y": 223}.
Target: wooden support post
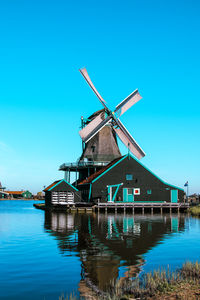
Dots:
{"x": 76, "y": 176}
{"x": 152, "y": 210}
{"x": 133, "y": 210}
{"x": 170, "y": 210}
{"x": 115, "y": 209}
{"x": 106, "y": 209}
{"x": 98, "y": 209}
{"x": 124, "y": 209}
{"x": 161, "y": 210}
{"x": 143, "y": 210}
{"x": 178, "y": 210}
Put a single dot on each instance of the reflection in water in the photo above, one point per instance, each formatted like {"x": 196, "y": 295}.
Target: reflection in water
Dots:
{"x": 106, "y": 243}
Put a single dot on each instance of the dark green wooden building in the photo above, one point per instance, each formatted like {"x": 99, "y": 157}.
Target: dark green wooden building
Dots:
{"x": 61, "y": 193}
{"x": 125, "y": 179}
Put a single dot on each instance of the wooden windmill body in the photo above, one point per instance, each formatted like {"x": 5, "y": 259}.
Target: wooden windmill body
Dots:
{"x": 103, "y": 146}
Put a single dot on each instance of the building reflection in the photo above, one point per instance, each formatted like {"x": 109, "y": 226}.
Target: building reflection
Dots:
{"x": 106, "y": 243}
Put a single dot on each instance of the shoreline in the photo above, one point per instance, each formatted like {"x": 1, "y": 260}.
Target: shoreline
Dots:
{"x": 31, "y": 199}
{"x": 183, "y": 283}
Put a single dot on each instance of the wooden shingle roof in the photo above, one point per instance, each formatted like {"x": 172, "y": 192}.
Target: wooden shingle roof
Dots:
{"x": 51, "y": 185}
{"x": 57, "y": 182}
{"x": 96, "y": 174}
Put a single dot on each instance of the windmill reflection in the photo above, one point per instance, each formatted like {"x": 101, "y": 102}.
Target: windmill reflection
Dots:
{"x": 106, "y": 243}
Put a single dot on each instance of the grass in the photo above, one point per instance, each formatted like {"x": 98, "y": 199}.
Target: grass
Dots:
{"x": 182, "y": 284}
{"x": 195, "y": 210}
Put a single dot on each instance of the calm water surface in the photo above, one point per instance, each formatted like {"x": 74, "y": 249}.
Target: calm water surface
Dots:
{"x": 44, "y": 255}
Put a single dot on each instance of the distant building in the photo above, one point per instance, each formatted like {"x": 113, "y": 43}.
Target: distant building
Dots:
{"x": 3, "y": 194}
{"x": 194, "y": 199}
{"x": 20, "y": 194}
{"x": 40, "y": 196}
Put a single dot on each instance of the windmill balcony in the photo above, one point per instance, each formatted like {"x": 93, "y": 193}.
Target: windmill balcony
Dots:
{"x": 82, "y": 165}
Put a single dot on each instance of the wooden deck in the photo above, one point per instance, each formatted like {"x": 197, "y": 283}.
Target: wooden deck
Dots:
{"x": 143, "y": 207}
{"x": 138, "y": 207}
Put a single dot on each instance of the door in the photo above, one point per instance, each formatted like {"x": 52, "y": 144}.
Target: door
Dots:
{"x": 128, "y": 195}
{"x": 109, "y": 193}
{"x": 174, "y": 196}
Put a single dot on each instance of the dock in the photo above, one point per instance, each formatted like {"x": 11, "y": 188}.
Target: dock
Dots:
{"x": 107, "y": 207}
{"x": 140, "y": 207}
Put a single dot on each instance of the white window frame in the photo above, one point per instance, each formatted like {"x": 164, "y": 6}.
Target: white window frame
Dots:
{"x": 130, "y": 189}
{"x": 138, "y": 191}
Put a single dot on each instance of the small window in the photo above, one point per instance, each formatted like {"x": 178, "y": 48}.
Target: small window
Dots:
{"x": 130, "y": 191}
{"x": 129, "y": 177}
{"x": 149, "y": 192}
{"x": 137, "y": 191}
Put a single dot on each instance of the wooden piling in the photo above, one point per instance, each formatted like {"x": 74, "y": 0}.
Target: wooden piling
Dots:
{"x": 106, "y": 207}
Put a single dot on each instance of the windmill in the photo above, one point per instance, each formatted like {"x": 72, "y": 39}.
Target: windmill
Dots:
{"x": 94, "y": 134}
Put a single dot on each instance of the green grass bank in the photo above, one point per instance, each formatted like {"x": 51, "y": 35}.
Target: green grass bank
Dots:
{"x": 195, "y": 210}
{"x": 182, "y": 284}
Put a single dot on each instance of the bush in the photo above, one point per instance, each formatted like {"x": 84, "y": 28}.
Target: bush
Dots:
{"x": 195, "y": 211}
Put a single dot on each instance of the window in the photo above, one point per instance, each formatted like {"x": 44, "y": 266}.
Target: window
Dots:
{"x": 137, "y": 191}
{"x": 129, "y": 177}
{"x": 62, "y": 197}
{"x": 130, "y": 191}
{"x": 149, "y": 192}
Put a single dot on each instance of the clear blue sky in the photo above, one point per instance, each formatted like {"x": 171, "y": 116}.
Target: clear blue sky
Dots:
{"x": 150, "y": 45}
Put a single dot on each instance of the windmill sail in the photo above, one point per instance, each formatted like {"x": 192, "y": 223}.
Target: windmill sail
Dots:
{"x": 133, "y": 98}
{"x": 128, "y": 140}
{"x": 89, "y": 81}
{"x": 93, "y": 128}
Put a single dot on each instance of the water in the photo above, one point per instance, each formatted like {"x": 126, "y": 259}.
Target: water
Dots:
{"x": 44, "y": 255}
